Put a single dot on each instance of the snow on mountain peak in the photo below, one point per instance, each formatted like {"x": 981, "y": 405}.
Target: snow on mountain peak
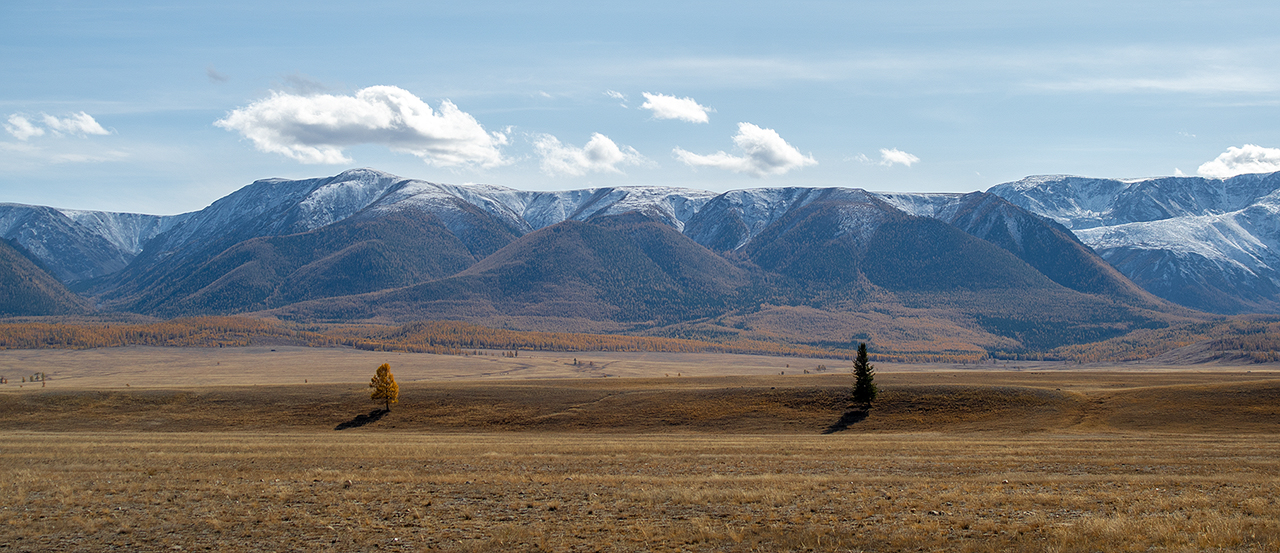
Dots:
{"x": 1188, "y": 239}
{"x": 346, "y": 194}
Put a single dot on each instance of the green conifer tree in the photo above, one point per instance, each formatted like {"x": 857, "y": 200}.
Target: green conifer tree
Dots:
{"x": 864, "y": 374}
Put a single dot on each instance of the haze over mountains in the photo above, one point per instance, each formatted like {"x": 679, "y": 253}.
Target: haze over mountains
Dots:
{"x": 822, "y": 266}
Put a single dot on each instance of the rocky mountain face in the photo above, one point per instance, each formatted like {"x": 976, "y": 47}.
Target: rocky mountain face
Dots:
{"x": 80, "y": 245}
{"x": 973, "y": 270}
{"x": 1209, "y": 244}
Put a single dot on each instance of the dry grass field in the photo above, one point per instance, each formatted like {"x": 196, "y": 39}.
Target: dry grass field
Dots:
{"x": 729, "y": 456}
{"x": 367, "y": 491}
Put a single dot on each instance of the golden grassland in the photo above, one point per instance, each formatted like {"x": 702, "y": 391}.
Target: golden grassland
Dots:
{"x": 1255, "y": 339}
{"x": 364, "y": 491}
{"x": 478, "y": 456}
{"x": 950, "y": 402}
{"x": 144, "y": 366}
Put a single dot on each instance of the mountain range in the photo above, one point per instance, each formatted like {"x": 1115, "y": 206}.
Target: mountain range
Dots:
{"x": 1013, "y": 269}
{"x": 1208, "y": 244}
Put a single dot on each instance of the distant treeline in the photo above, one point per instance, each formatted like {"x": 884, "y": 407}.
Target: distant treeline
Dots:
{"x": 184, "y": 332}
{"x": 459, "y": 337}
{"x": 443, "y": 337}
{"x": 1255, "y": 339}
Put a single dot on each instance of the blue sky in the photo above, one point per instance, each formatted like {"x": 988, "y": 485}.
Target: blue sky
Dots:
{"x": 163, "y": 107}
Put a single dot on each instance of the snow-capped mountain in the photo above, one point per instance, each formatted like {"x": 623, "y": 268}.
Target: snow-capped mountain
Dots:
{"x": 89, "y": 244}
{"x": 1211, "y": 244}
{"x": 78, "y": 245}
{"x": 366, "y": 245}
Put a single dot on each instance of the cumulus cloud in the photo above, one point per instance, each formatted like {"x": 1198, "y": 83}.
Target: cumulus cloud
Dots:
{"x": 1249, "y": 158}
{"x": 79, "y": 124}
{"x": 764, "y": 153}
{"x": 600, "y": 155}
{"x": 889, "y": 157}
{"x": 315, "y": 129}
{"x": 670, "y": 107}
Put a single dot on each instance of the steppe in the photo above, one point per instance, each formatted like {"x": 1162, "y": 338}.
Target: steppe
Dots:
{"x": 279, "y": 448}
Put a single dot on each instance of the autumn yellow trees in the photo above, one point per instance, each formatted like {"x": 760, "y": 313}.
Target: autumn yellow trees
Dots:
{"x": 384, "y": 386}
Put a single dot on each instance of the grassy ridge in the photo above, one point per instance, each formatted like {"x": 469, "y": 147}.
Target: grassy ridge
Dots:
{"x": 963, "y": 402}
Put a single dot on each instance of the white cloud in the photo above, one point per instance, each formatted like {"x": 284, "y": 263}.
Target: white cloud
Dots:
{"x": 76, "y": 123}
{"x": 765, "y": 153}
{"x": 315, "y": 129}
{"x": 622, "y": 98}
{"x": 600, "y": 155}
{"x": 1249, "y": 158}
{"x": 81, "y": 124}
{"x": 670, "y": 107}
{"x": 21, "y": 127}
{"x": 890, "y": 156}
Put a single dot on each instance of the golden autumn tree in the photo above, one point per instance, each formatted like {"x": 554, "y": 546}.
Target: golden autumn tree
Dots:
{"x": 384, "y": 386}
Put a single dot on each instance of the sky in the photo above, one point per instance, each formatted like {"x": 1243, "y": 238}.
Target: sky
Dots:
{"x": 163, "y": 107}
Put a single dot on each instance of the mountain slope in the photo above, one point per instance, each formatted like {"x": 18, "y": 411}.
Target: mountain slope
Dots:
{"x": 832, "y": 256}
{"x": 1042, "y": 243}
{"x": 852, "y": 252}
{"x": 265, "y": 208}
{"x": 27, "y": 289}
{"x": 80, "y": 245}
{"x": 357, "y": 255}
{"x": 1209, "y": 244}
{"x": 817, "y": 266}
{"x": 628, "y": 270}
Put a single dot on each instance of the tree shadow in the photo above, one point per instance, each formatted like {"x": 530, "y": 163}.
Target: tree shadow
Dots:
{"x": 362, "y": 420}
{"x": 849, "y": 417}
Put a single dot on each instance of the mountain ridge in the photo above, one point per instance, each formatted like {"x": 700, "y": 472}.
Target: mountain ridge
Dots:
{"x": 792, "y": 264}
{"x": 1209, "y": 244}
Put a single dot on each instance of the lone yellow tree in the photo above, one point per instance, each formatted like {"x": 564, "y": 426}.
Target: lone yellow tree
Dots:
{"x": 384, "y": 386}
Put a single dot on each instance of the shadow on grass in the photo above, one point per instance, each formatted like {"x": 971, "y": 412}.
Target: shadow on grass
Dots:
{"x": 849, "y": 417}
{"x": 362, "y": 420}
